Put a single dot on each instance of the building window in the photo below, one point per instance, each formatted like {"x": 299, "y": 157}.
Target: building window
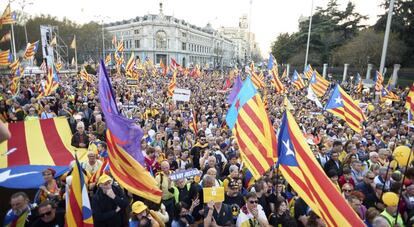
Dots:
{"x": 161, "y": 39}
{"x": 136, "y": 31}
{"x": 184, "y": 46}
{"x": 184, "y": 34}
{"x": 137, "y": 43}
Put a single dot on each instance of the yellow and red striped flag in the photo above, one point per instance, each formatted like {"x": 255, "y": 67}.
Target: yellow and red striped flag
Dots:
{"x": 30, "y": 50}
{"x": 40, "y": 142}
{"x": 193, "y": 122}
{"x": 5, "y": 58}
{"x": 119, "y": 59}
{"x": 101, "y": 171}
{"x": 284, "y": 74}
{"x": 280, "y": 88}
{"x": 8, "y": 16}
{"x": 172, "y": 85}
{"x": 318, "y": 84}
{"x": 14, "y": 66}
{"x": 252, "y": 129}
{"x": 360, "y": 85}
{"x": 85, "y": 76}
{"x": 50, "y": 86}
{"x": 122, "y": 164}
{"x": 379, "y": 79}
{"x": 409, "y": 100}
{"x": 108, "y": 59}
{"x": 303, "y": 172}
{"x": 13, "y": 220}
{"x": 257, "y": 79}
{"x": 58, "y": 66}
{"x": 297, "y": 82}
{"x": 6, "y": 37}
{"x": 130, "y": 67}
{"x": 78, "y": 206}
{"x": 308, "y": 72}
{"x": 343, "y": 106}
{"x": 14, "y": 86}
{"x": 388, "y": 95}
{"x": 120, "y": 47}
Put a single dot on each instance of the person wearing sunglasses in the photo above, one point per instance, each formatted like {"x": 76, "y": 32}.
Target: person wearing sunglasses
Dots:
{"x": 252, "y": 213}
{"x": 48, "y": 216}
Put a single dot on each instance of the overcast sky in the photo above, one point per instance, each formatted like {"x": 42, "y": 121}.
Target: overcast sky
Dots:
{"x": 269, "y": 17}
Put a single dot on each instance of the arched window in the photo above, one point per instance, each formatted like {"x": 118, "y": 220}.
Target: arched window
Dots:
{"x": 161, "y": 38}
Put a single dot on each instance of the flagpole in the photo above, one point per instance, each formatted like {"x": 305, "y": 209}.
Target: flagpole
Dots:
{"x": 13, "y": 43}
{"x": 76, "y": 55}
{"x": 386, "y": 36}
{"x": 309, "y": 33}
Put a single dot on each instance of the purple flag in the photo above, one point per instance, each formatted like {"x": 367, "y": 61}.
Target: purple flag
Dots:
{"x": 126, "y": 133}
{"x": 235, "y": 90}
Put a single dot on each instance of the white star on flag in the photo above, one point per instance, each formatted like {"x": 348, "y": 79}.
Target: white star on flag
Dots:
{"x": 338, "y": 100}
{"x": 289, "y": 151}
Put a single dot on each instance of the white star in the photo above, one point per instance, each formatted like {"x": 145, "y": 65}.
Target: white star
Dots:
{"x": 289, "y": 151}
{"x": 338, "y": 100}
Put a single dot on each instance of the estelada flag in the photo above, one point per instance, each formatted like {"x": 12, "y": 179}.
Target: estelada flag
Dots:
{"x": 254, "y": 133}
{"x": 303, "y": 172}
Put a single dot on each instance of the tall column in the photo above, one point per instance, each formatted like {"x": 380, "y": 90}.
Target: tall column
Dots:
{"x": 369, "y": 68}
{"x": 395, "y": 75}
{"x": 287, "y": 70}
{"x": 345, "y": 72}
{"x": 325, "y": 70}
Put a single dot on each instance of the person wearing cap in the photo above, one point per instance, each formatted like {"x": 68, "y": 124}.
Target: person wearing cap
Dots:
{"x": 142, "y": 216}
{"x": 391, "y": 202}
{"x": 49, "y": 190}
{"x": 234, "y": 198}
{"x": 108, "y": 204}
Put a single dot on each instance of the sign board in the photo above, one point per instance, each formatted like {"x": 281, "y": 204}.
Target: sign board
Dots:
{"x": 181, "y": 95}
{"x": 214, "y": 193}
{"x": 132, "y": 82}
{"x": 184, "y": 174}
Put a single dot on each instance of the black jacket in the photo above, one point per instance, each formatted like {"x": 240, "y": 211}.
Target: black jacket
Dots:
{"x": 103, "y": 208}
{"x": 330, "y": 164}
{"x": 76, "y": 139}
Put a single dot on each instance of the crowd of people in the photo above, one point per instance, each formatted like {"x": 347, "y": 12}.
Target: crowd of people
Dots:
{"x": 360, "y": 164}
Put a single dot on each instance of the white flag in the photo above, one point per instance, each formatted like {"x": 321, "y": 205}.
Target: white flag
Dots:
{"x": 312, "y": 96}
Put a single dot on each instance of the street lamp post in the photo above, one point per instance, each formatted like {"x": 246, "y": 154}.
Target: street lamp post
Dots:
{"x": 309, "y": 33}
{"x": 386, "y": 36}
{"x": 23, "y": 4}
{"x": 102, "y": 18}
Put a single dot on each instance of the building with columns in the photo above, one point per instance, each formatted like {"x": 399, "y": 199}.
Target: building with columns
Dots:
{"x": 164, "y": 37}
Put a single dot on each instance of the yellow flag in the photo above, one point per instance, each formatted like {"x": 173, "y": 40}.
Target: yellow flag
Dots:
{"x": 73, "y": 44}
